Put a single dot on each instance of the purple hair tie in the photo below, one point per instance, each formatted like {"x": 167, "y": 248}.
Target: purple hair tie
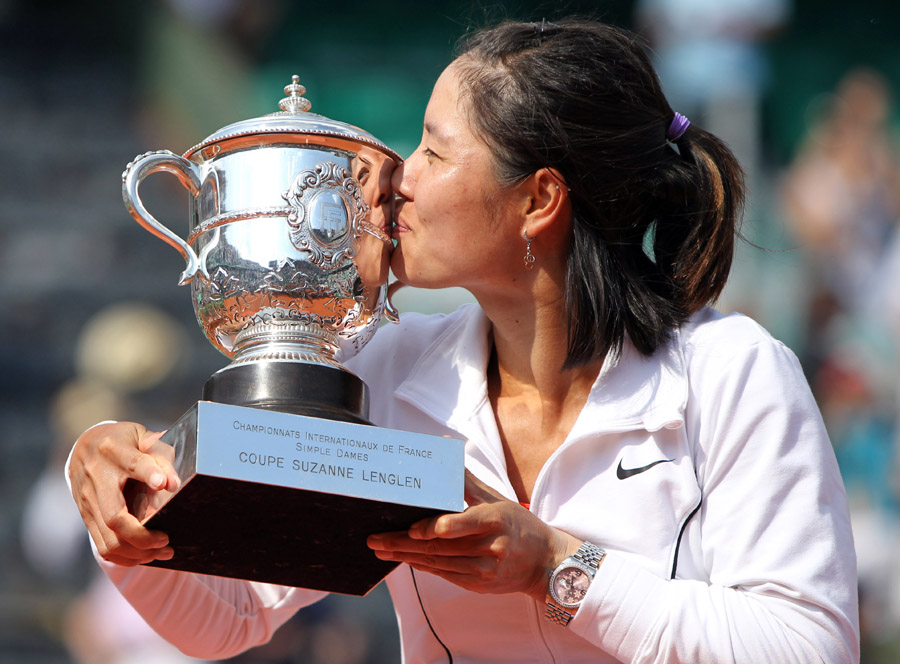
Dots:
{"x": 677, "y": 128}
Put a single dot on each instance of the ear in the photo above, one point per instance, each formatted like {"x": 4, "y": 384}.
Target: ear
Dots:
{"x": 546, "y": 202}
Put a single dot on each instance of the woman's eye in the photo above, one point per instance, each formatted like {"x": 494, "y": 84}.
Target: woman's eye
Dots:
{"x": 429, "y": 153}
{"x": 363, "y": 176}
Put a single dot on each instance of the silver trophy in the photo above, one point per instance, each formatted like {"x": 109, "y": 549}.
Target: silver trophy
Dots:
{"x": 287, "y": 256}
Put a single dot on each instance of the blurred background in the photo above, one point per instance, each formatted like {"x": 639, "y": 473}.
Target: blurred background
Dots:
{"x": 93, "y": 326}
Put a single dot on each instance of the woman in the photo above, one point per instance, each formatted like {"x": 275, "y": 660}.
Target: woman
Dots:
{"x": 622, "y": 438}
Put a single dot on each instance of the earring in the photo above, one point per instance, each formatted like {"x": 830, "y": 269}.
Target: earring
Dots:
{"x": 529, "y": 257}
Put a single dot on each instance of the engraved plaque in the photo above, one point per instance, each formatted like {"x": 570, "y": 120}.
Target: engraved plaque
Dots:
{"x": 323, "y": 485}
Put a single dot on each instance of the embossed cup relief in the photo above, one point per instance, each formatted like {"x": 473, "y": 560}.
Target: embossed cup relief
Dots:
{"x": 326, "y": 212}
{"x": 289, "y": 293}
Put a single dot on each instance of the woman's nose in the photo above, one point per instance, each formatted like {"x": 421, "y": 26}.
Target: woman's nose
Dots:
{"x": 385, "y": 186}
{"x": 402, "y": 179}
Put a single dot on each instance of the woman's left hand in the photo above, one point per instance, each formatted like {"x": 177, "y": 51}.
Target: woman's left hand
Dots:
{"x": 494, "y": 546}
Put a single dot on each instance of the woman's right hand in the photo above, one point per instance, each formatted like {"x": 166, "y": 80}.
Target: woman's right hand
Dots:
{"x": 104, "y": 461}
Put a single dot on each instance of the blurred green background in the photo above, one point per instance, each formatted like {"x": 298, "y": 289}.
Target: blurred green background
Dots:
{"x": 93, "y": 326}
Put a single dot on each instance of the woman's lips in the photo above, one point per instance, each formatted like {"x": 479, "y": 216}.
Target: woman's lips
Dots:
{"x": 398, "y": 230}
{"x": 398, "y": 227}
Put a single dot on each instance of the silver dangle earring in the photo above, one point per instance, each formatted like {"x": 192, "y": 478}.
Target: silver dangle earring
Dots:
{"x": 529, "y": 257}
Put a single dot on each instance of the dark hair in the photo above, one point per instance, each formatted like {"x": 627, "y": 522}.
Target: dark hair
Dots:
{"x": 654, "y": 224}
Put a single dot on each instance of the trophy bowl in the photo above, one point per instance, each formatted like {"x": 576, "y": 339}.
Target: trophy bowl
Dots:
{"x": 287, "y": 253}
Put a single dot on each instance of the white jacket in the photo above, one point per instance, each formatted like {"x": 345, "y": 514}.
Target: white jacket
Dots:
{"x": 736, "y": 548}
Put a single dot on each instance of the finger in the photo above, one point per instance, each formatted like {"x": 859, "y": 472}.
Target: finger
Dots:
{"x": 446, "y": 526}
{"x": 104, "y": 499}
{"x": 437, "y": 553}
{"x": 122, "y": 553}
{"x": 130, "y": 562}
{"x": 477, "y": 492}
{"x": 461, "y": 579}
{"x": 122, "y": 526}
{"x": 430, "y": 536}
{"x": 148, "y": 439}
{"x": 467, "y": 567}
{"x": 128, "y": 556}
{"x": 110, "y": 542}
{"x": 164, "y": 455}
{"x": 401, "y": 542}
{"x": 134, "y": 463}
{"x": 103, "y": 508}
{"x": 477, "y": 519}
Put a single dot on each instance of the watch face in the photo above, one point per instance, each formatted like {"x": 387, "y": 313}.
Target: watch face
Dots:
{"x": 570, "y": 585}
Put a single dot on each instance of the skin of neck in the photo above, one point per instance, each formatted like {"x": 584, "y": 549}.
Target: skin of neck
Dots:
{"x": 530, "y": 331}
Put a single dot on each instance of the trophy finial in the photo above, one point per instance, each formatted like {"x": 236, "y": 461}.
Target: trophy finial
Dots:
{"x": 295, "y": 102}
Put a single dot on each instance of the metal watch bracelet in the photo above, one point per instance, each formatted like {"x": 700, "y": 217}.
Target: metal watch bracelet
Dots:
{"x": 588, "y": 558}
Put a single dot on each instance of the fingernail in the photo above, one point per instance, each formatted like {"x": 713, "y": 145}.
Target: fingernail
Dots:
{"x": 165, "y": 554}
{"x": 374, "y": 541}
{"x": 156, "y": 480}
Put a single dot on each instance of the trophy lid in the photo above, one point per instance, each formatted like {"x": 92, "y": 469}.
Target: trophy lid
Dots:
{"x": 294, "y": 118}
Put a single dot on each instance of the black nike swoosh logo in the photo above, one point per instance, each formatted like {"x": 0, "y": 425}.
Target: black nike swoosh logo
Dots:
{"x": 625, "y": 473}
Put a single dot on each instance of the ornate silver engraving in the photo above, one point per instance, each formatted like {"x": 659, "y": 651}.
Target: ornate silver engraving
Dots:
{"x": 326, "y": 212}
{"x": 235, "y": 299}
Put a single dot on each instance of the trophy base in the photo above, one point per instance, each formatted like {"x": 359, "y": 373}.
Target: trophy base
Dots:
{"x": 288, "y": 499}
{"x": 280, "y": 535}
{"x": 313, "y": 390}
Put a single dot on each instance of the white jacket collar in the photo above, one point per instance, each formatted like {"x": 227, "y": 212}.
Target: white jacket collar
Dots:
{"x": 449, "y": 382}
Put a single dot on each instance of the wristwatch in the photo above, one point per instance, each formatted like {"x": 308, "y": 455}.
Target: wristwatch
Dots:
{"x": 570, "y": 581}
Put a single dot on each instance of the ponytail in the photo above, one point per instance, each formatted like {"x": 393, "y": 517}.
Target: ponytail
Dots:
{"x": 702, "y": 259}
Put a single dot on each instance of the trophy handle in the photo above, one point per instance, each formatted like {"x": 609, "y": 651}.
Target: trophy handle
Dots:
{"x": 169, "y": 162}
{"x": 390, "y": 311}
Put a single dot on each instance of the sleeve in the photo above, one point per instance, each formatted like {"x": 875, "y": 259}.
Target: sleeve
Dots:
{"x": 208, "y": 617}
{"x": 204, "y": 616}
{"x": 773, "y": 532}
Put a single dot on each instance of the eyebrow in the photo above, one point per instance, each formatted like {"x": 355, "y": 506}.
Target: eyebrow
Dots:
{"x": 437, "y": 132}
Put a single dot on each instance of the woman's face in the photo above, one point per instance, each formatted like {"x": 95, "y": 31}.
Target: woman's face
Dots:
{"x": 454, "y": 225}
{"x": 373, "y": 169}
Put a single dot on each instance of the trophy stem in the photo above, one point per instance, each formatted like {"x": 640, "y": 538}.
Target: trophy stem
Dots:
{"x": 314, "y": 390}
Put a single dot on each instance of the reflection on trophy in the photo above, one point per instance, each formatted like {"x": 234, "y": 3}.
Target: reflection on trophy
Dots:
{"x": 287, "y": 257}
